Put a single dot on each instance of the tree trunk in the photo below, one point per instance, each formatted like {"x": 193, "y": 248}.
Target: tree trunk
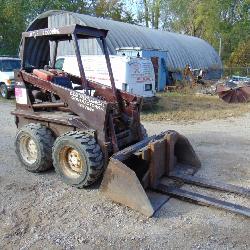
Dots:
{"x": 146, "y": 12}
{"x": 157, "y": 13}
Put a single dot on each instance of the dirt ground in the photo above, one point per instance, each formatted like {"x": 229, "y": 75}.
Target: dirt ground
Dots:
{"x": 38, "y": 211}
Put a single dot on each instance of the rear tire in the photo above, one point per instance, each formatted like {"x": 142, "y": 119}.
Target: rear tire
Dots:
{"x": 34, "y": 144}
{"x": 78, "y": 159}
{"x": 4, "y": 91}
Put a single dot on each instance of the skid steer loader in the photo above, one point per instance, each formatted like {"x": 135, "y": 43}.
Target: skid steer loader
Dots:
{"x": 89, "y": 131}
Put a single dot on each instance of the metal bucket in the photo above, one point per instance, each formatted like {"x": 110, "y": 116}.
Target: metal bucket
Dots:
{"x": 134, "y": 173}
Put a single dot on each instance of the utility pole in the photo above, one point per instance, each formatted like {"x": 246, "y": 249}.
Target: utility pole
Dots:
{"x": 220, "y": 46}
{"x": 218, "y": 36}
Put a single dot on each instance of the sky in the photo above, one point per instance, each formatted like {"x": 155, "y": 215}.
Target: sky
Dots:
{"x": 131, "y": 5}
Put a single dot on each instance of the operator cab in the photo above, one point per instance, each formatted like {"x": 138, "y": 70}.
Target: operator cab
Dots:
{"x": 53, "y": 36}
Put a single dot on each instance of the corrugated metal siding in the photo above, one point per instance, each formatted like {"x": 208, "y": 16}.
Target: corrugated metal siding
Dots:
{"x": 87, "y": 47}
{"x": 182, "y": 49}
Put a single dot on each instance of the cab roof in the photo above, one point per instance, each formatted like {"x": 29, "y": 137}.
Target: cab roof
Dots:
{"x": 65, "y": 32}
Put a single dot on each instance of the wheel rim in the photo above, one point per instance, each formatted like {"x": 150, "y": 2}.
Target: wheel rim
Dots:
{"x": 71, "y": 162}
{"x": 3, "y": 91}
{"x": 28, "y": 149}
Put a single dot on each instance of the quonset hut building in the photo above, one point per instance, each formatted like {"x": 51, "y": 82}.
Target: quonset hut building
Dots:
{"x": 170, "y": 52}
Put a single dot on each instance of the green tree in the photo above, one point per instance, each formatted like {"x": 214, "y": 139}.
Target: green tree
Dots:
{"x": 12, "y": 19}
{"x": 181, "y": 16}
{"x": 241, "y": 55}
{"x": 149, "y": 12}
{"x": 210, "y": 19}
{"x": 113, "y": 9}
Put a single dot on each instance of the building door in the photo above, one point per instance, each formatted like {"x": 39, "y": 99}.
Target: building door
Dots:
{"x": 155, "y": 62}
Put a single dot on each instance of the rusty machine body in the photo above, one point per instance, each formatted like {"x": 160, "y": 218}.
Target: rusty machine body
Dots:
{"x": 90, "y": 130}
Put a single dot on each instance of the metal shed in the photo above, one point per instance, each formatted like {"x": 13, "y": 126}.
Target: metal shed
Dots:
{"x": 182, "y": 49}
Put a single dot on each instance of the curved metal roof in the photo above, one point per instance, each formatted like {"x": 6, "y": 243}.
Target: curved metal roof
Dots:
{"x": 182, "y": 49}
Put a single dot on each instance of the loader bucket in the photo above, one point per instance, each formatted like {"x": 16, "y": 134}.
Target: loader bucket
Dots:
{"x": 134, "y": 173}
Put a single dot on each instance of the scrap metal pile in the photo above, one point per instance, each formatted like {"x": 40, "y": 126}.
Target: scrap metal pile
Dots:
{"x": 234, "y": 91}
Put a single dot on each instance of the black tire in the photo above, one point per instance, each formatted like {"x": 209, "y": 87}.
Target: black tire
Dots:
{"x": 4, "y": 91}
{"x": 34, "y": 144}
{"x": 78, "y": 159}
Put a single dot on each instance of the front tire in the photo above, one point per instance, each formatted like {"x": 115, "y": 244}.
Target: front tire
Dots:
{"x": 34, "y": 144}
{"x": 77, "y": 159}
{"x": 4, "y": 91}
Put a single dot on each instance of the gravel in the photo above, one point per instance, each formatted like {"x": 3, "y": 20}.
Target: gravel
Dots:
{"x": 38, "y": 211}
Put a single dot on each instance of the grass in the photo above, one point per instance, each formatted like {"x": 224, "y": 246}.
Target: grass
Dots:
{"x": 186, "y": 106}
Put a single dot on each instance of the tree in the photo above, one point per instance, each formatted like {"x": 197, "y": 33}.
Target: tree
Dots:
{"x": 150, "y": 12}
{"x": 113, "y": 9}
{"x": 241, "y": 55}
{"x": 188, "y": 17}
{"x": 12, "y": 21}
{"x": 210, "y": 19}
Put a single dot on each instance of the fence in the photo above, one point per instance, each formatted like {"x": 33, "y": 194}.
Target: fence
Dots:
{"x": 237, "y": 71}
